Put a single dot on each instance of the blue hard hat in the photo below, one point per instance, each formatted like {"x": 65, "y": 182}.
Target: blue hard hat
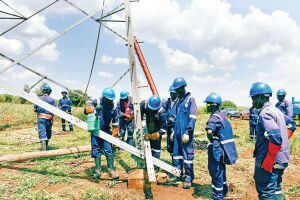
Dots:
{"x": 109, "y": 94}
{"x": 260, "y": 88}
{"x": 171, "y": 89}
{"x": 154, "y": 102}
{"x": 213, "y": 98}
{"x": 124, "y": 94}
{"x": 178, "y": 82}
{"x": 281, "y": 92}
{"x": 46, "y": 87}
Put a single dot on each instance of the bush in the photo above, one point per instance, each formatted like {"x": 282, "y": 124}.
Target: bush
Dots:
{"x": 8, "y": 98}
{"x": 228, "y": 104}
{"x": 77, "y": 99}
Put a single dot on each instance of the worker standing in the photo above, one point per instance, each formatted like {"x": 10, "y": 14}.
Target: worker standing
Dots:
{"x": 271, "y": 152}
{"x": 253, "y": 120}
{"x": 154, "y": 124}
{"x": 126, "y": 116}
{"x": 169, "y": 110}
{"x": 45, "y": 118}
{"x": 107, "y": 115}
{"x": 222, "y": 149}
{"x": 285, "y": 106}
{"x": 183, "y": 151}
{"x": 65, "y": 104}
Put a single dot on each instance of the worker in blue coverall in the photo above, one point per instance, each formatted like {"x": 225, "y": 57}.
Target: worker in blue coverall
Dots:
{"x": 107, "y": 114}
{"x": 271, "y": 152}
{"x": 152, "y": 113}
{"x": 222, "y": 149}
{"x": 285, "y": 106}
{"x": 183, "y": 151}
{"x": 65, "y": 104}
{"x": 45, "y": 118}
{"x": 169, "y": 109}
{"x": 253, "y": 120}
{"x": 126, "y": 116}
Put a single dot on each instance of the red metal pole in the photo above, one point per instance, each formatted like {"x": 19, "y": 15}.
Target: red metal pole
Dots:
{"x": 145, "y": 67}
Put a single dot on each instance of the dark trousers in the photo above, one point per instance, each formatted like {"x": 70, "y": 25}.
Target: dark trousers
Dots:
{"x": 44, "y": 128}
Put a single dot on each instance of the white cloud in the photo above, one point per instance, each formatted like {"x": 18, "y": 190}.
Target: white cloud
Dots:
{"x": 115, "y": 61}
{"x": 11, "y": 46}
{"x": 177, "y": 60}
{"x": 209, "y": 79}
{"x": 105, "y": 74}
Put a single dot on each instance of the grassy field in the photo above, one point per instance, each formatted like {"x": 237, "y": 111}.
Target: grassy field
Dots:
{"x": 69, "y": 176}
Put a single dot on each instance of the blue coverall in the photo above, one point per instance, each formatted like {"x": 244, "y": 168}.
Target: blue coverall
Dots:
{"x": 169, "y": 110}
{"x": 107, "y": 115}
{"x": 155, "y": 122}
{"x": 272, "y": 128}
{"x": 126, "y": 124}
{"x": 221, "y": 151}
{"x": 65, "y": 104}
{"x": 183, "y": 154}
{"x": 45, "y": 118}
{"x": 253, "y": 120}
{"x": 286, "y": 107}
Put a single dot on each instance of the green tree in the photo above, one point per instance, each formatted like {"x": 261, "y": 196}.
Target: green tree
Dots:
{"x": 228, "y": 104}
{"x": 77, "y": 99}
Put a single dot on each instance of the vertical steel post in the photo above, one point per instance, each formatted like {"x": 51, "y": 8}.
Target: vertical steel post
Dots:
{"x": 142, "y": 144}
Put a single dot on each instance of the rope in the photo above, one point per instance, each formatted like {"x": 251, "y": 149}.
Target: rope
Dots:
{"x": 94, "y": 58}
{"x": 121, "y": 77}
{"x": 11, "y": 28}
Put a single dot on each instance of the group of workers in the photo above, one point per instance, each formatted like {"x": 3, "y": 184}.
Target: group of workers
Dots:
{"x": 176, "y": 118}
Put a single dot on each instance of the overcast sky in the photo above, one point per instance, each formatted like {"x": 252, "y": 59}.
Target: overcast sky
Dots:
{"x": 217, "y": 46}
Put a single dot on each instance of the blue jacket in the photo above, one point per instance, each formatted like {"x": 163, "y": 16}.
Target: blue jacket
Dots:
{"x": 65, "y": 104}
{"x": 253, "y": 119}
{"x": 223, "y": 138}
{"x": 186, "y": 115}
{"x": 47, "y": 99}
{"x": 107, "y": 115}
{"x": 155, "y": 120}
{"x": 169, "y": 110}
{"x": 121, "y": 107}
{"x": 272, "y": 128}
{"x": 286, "y": 107}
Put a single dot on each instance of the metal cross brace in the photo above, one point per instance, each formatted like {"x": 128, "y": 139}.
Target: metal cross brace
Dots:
{"x": 131, "y": 149}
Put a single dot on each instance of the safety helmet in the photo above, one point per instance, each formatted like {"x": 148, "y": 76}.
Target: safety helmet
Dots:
{"x": 46, "y": 88}
{"x": 124, "y": 94}
{"x": 178, "y": 82}
{"x": 260, "y": 88}
{"x": 64, "y": 91}
{"x": 213, "y": 98}
{"x": 281, "y": 92}
{"x": 171, "y": 89}
{"x": 109, "y": 94}
{"x": 154, "y": 102}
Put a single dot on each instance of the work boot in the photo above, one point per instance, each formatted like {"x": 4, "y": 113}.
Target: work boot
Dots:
{"x": 47, "y": 141}
{"x": 187, "y": 185}
{"x": 71, "y": 129}
{"x": 44, "y": 145}
{"x": 64, "y": 128}
{"x": 174, "y": 180}
{"x": 97, "y": 174}
{"x": 110, "y": 166}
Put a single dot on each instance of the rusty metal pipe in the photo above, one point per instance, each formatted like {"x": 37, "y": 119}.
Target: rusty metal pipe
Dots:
{"x": 145, "y": 68}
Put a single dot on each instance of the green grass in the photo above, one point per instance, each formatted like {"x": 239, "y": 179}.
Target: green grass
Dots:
{"x": 35, "y": 177}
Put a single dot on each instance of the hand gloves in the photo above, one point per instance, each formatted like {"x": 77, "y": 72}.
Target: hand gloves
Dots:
{"x": 115, "y": 132}
{"x": 185, "y": 138}
{"x": 270, "y": 158}
{"x": 152, "y": 136}
{"x": 290, "y": 133}
{"x": 89, "y": 109}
